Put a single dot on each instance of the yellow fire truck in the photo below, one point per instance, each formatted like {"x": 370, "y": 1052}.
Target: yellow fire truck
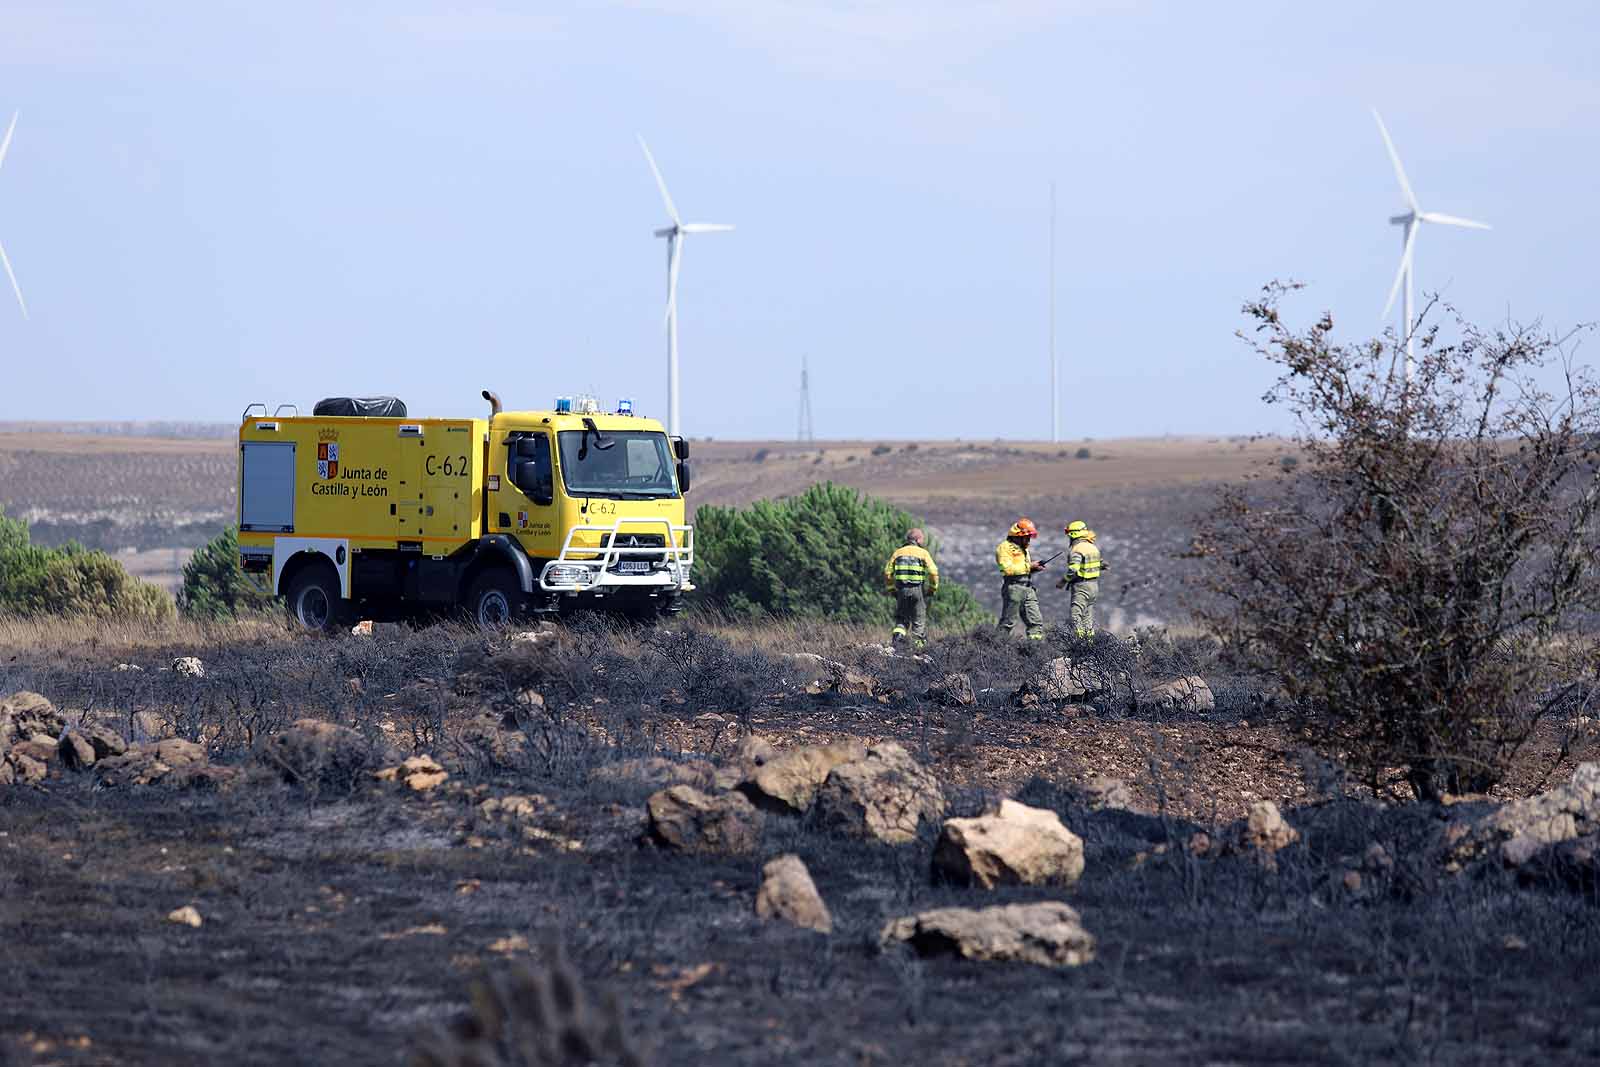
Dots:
{"x": 359, "y": 511}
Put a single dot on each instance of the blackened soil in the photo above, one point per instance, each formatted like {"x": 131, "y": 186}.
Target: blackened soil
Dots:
{"x": 336, "y": 929}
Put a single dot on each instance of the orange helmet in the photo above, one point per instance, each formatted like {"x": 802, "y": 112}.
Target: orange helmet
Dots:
{"x": 1023, "y": 528}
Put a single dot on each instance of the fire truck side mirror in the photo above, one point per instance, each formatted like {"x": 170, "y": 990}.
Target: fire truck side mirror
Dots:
{"x": 683, "y": 476}
{"x": 680, "y": 448}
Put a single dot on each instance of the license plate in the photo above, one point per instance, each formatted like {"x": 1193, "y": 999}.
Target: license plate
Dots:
{"x": 633, "y": 567}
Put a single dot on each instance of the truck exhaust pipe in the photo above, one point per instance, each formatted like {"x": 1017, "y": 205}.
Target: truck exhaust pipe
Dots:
{"x": 494, "y": 403}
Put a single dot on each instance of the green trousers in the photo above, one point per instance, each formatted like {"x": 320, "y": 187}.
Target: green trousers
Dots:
{"x": 910, "y": 612}
{"x": 1019, "y": 599}
{"x": 1084, "y": 595}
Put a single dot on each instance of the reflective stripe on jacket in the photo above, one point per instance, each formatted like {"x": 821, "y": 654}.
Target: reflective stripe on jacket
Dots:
{"x": 911, "y": 565}
{"x": 1084, "y": 563}
{"x": 1012, "y": 559}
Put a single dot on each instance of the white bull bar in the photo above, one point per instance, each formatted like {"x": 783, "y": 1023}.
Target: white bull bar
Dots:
{"x": 589, "y": 568}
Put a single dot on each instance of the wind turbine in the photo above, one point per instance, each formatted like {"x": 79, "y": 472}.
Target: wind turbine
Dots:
{"x": 15, "y": 288}
{"x": 675, "y": 235}
{"x": 1412, "y": 221}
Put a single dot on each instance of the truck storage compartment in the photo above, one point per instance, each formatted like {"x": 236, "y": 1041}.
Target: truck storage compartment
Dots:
{"x": 266, "y": 486}
{"x": 369, "y": 407}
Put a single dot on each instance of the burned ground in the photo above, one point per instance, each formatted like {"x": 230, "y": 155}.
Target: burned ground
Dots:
{"x": 344, "y": 917}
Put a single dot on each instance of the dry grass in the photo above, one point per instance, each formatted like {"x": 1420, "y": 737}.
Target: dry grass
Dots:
{"x": 82, "y": 634}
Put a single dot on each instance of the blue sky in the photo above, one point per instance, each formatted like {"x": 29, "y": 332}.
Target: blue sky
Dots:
{"x": 214, "y": 203}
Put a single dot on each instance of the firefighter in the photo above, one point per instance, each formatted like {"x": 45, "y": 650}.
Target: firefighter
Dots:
{"x": 1083, "y": 575}
{"x": 912, "y": 577}
{"x": 1017, "y": 595}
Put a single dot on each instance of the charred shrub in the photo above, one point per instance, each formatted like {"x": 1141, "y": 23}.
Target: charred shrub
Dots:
{"x": 529, "y": 1016}
{"x": 1407, "y": 580}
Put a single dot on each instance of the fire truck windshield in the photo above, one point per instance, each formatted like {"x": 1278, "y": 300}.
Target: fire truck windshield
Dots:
{"x": 617, "y": 463}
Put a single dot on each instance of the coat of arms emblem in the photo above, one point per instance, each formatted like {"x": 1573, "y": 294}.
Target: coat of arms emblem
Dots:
{"x": 328, "y": 460}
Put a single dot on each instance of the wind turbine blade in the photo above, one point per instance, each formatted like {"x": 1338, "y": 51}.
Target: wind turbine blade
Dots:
{"x": 666, "y": 197}
{"x": 672, "y": 278}
{"x": 15, "y": 288}
{"x": 6, "y": 144}
{"x": 1394, "y": 157}
{"x": 1452, "y": 220}
{"x": 706, "y": 227}
{"x": 1405, "y": 265}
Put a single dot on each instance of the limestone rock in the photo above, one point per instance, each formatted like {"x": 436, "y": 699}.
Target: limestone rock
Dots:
{"x": 1048, "y": 933}
{"x": 886, "y": 795}
{"x": 1519, "y": 830}
{"x": 189, "y": 667}
{"x": 172, "y": 762}
{"x": 25, "y": 769}
{"x": 1190, "y": 694}
{"x": 36, "y": 748}
{"x": 419, "y": 773}
{"x": 25, "y": 713}
{"x": 953, "y": 690}
{"x": 1266, "y": 832}
{"x": 1016, "y": 845}
{"x": 1061, "y": 681}
{"x": 106, "y": 741}
{"x": 684, "y": 818}
{"x": 788, "y": 893}
{"x": 789, "y": 782}
{"x": 188, "y": 915}
{"x": 76, "y": 752}
{"x": 753, "y": 753}
{"x": 847, "y": 681}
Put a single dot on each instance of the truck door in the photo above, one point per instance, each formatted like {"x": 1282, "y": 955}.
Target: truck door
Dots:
{"x": 524, "y": 505}
{"x": 447, "y": 467}
{"x": 409, "y": 503}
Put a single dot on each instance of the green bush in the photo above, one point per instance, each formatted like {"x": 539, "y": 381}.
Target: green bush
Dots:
{"x": 818, "y": 554}
{"x": 214, "y": 585}
{"x": 36, "y": 581}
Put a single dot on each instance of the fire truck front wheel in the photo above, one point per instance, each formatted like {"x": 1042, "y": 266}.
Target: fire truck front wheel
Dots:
{"x": 495, "y": 598}
{"x": 313, "y": 599}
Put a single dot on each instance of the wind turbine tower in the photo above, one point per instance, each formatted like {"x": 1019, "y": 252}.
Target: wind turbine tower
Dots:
{"x": 1412, "y": 221}
{"x": 15, "y": 288}
{"x": 1055, "y": 395}
{"x": 806, "y": 432}
{"x": 675, "y": 235}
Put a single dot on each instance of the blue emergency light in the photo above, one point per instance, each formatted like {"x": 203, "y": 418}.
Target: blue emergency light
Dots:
{"x": 625, "y": 407}
{"x": 563, "y": 405}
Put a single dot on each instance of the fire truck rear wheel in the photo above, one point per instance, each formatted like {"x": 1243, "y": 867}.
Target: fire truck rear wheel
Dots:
{"x": 313, "y": 599}
{"x": 495, "y": 598}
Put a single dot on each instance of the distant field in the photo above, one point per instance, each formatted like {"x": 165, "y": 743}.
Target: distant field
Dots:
{"x": 154, "y": 498}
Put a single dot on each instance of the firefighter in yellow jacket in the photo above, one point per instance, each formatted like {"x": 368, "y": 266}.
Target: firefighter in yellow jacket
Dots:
{"x": 1017, "y": 595}
{"x": 912, "y": 577}
{"x": 1083, "y": 575}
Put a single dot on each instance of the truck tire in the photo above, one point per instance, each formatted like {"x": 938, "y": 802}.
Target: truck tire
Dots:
{"x": 313, "y": 599}
{"x": 495, "y": 598}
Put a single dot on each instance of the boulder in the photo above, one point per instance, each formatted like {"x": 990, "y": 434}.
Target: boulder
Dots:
{"x": 1189, "y": 694}
{"x": 1521, "y": 829}
{"x": 312, "y": 751}
{"x": 29, "y": 713}
{"x": 106, "y": 741}
{"x": 1060, "y": 681}
{"x": 172, "y": 762}
{"x": 37, "y": 748}
{"x": 1016, "y": 845}
{"x": 25, "y": 769}
{"x": 788, "y": 893}
{"x": 76, "y": 752}
{"x": 148, "y": 726}
{"x": 656, "y": 771}
{"x": 788, "y": 783}
{"x": 753, "y": 753}
{"x": 188, "y": 915}
{"x": 885, "y": 795}
{"x": 189, "y": 667}
{"x": 1048, "y": 933}
{"x": 1266, "y": 832}
{"x": 419, "y": 773}
{"x": 686, "y": 819}
{"x": 953, "y": 690}
{"x": 847, "y": 681}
